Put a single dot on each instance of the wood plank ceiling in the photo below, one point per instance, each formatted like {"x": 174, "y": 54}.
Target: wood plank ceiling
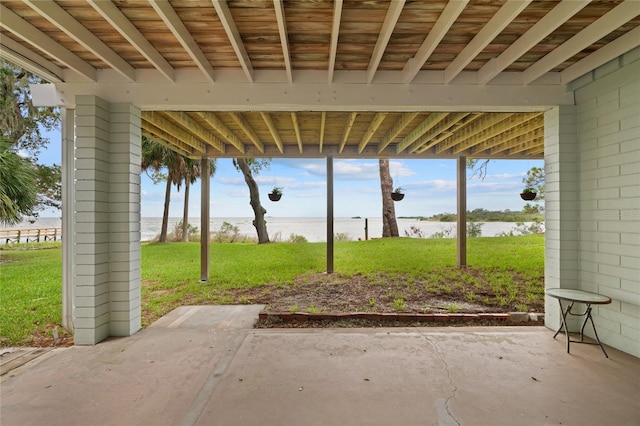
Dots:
{"x": 401, "y": 41}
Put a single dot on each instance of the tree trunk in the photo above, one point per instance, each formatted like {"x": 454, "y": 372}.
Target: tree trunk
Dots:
{"x": 185, "y": 214}
{"x": 259, "y": 211}
{"x": 389, "y": 223}
{"x": 165, "y": 214}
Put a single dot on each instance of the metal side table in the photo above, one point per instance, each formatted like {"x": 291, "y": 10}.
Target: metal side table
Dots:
{"x": 578, "y": 296}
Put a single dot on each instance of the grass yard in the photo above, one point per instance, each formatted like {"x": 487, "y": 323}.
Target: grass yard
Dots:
{"x": 383, "y": 275}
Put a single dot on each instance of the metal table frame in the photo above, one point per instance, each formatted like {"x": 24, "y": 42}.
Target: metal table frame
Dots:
{"x": 578, "y": 296}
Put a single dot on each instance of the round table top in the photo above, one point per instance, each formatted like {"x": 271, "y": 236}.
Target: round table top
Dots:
{"x": 578, "y": 296}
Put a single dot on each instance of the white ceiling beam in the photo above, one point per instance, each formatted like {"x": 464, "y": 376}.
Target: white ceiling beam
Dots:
{"x": 284, "y": 38}
{"x": 335, "y": 32}
{"x": 503, "y": 17}
{"x": 180, "y": 32}
{"x": 248, "y": 130}
{"x": 545, "y": 26}
{"x": 618, "y": 16}
{"x": 229, "y": 25}
{"x": 25, "y": 58}
{"x": 616, "y": 48}
{"x": 273, "y": 130}
{"x": 27, "y": 32}
{"x": 390, "y": 20}
{"x": 448, "y": 16}
{"x": 119, "y": 21}
{"x": 74, "y": 29}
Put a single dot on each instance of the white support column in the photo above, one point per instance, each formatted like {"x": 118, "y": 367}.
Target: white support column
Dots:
{"x": 124, "y": 220}
{"x": 561, "y": 205}
{"x": 68, "y": 178}
{"x": 106, "y": 242}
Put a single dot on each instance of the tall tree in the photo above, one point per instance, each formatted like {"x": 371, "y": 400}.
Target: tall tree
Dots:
{"x": 248, "y": 167}
{"x": 21, "y": 124}
{"x": 190, "y": 171}
{"x": 389, "y": 222}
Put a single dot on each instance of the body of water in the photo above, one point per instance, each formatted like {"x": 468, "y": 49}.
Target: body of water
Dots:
{"x": 314, "y": 229}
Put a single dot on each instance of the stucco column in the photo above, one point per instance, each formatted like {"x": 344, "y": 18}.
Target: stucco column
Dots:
{"x": 106, "y": 242}
{"x": 561, "y": 205}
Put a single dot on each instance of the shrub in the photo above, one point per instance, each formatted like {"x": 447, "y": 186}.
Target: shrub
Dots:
{"x": 295, "y": 238}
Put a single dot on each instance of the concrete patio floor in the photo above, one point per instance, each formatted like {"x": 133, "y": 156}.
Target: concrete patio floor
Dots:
{"x": 206, "y": 365}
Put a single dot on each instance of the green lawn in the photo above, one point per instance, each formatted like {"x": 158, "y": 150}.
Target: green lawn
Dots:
{"x": 30, "y": 280}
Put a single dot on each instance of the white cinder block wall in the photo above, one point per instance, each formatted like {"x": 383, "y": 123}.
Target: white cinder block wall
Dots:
{"x": 608, "y": 170}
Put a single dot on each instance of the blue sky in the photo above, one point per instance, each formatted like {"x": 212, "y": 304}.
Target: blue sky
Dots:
{"x": 430, "y": 187}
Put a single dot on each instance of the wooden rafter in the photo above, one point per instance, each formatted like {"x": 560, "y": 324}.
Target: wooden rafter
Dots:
{"x": 296, "y": 128}
{"x": 176, "y": 26}
{"x": 427, "y": 124}
{"x": 335, "y": 31}
{"x": 229, "y": 25}
{"x": 371, "y": 130}
{"x": 323, "y": 122}
{"x": 347, "y": 130}
{"x": 248, "y": 130}
{"x": 390, "y": 20}
{"x": 438, "y": 133}
{"x": 515, "y": 141}
{"x": 151, "y": 132}
{"x": 273, "y": 130}
{"x": 496, "y": 135}
{"x": 174, "y": 130}
{"x": 284, "y": 39}
{"x": 27, "y": 59}
{"x": 193, "y": 127}
{"x": 535, "y": 140}
{"x": 402, "y": 122}
{"x": 467, "y": 137}
{"x": 120, "y": 23}
{"x": 222, "y": 129}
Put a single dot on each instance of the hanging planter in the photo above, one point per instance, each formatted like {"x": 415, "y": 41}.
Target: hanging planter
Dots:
{"x": 275, "y": 194}
{"x": 528, "y": 194}
{"x": 397, "y": 194}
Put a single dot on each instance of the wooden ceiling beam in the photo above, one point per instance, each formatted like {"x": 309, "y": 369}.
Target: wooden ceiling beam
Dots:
{"x": 496, "y": 24}
{"x": 502, "y": 142}
{"x": 247, "y": 129}
{"x": 29, "y": 60}
{"x": 296, "y": 128}
{"x": 516, "y": 140}
{"x": 463, "y": 140}
{"x": 181, "y": 33}
{"x": 174, "y": 130}
{"x": 335, "y": 32}
{"x": 448, "y": 137}
{"x": 545, "y": 26}
{"x": 618, "y": 16}
{"x": 390, "y": 20}
{"x": 273, "y": 130}
{"x": 74, "y": 29}
{"x": 446, "y": 19}
{"x": 438, "y": 133}
{"x": 119, "y": 21}
{"x": 174, "y": 145}
{"x": 225, "y": 132}
{"x": 323, "y": 122}
{"x": 371, "y": 130}
{"x": 229, "y": 25}
{"x": 402, "y": 122}
{"x": 347, "y": 130}
{"x": 537, "y": 140}
{"x": 32, "y": 35}
{"x": 192, "y": 126}
{"x": 284, "y": 38}
{"x": 427, "y": 124}
{"x": 494, "y": 133}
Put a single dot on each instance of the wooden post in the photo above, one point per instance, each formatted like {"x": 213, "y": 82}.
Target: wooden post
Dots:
{"x": 329, "y": 214}
{"x": 205, "y": 189}
{"x": 366, "y": 229}
{"x": 462, "y": 212}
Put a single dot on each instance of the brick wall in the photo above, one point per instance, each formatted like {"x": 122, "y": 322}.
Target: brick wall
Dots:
{"x": 608, "y": 166}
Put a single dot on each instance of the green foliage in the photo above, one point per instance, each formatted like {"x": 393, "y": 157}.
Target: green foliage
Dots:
{"x": 341, "y": 237}
{"x": 474, "y": 229}
{"x": 277, "y": 190}
{"x": 18, "y": 194}
{"x": 176, "y": 235}
{"x": 227, "y": 233}
{"x": 534, "y": 182}
{"x": 295, "y": 238}
{"x": 481, "y": 215}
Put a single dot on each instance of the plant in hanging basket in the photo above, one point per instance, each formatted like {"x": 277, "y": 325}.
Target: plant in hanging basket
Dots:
{"x": 397, "y": 194}
{"x": 528, "y": 194}
{"x": 275, "y": 194}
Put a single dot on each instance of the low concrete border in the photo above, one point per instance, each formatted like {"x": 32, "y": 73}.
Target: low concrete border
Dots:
{"x": 507, "y": 318}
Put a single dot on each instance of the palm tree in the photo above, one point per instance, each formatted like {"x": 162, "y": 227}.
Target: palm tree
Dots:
{"x": 189, "y": 171}
{"x": 18, "y": 194}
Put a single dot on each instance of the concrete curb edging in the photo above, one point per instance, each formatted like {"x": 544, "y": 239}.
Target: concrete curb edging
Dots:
{"x": 511, "y": 317}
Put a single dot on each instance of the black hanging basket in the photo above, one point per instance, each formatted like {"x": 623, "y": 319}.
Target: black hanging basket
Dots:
{"x": 397, "y": 196}
{"x": 274, "y": 197}
{"x": 528, "y": 196}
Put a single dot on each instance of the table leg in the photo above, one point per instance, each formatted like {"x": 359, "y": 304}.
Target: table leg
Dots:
{"x": 563, "y": 322}
{"x": 595, "y": 333}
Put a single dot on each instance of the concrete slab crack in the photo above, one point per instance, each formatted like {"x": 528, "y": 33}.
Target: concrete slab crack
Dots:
{"x": 443, "y": 407}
